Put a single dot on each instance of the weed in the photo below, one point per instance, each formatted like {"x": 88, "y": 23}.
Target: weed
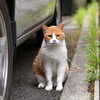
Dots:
{"x": 79, "y": 16}
{"x": 92, "y": 13}
{"x": 92, "y": 46}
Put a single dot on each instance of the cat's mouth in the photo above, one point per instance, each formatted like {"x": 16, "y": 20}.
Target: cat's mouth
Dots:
{"x": 54, "y": 43}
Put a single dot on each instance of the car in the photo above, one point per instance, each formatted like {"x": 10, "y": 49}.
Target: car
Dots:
{"x": 19, "y": 20}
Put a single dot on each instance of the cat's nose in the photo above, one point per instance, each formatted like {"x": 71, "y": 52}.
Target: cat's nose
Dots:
{"x": 54, "y": 40}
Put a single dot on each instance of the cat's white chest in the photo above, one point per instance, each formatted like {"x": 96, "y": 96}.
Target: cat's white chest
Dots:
{"x": 54, "y": 67}
{"x": 56, "y": 54}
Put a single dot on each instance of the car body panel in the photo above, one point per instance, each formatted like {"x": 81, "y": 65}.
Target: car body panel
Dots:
{"x": 28, "y": 34}
{"x": 31, "y": 13}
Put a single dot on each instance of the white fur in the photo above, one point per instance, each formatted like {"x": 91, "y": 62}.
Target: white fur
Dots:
{"x": 54, "y": 56}
{"x": 54, "y": 39}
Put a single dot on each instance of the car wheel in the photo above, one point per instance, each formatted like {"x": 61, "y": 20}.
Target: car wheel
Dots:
{"x": 5, "y": 52}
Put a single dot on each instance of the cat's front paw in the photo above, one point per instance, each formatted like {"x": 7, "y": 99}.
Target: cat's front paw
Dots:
{"x": 59, "y": 88}
{"x": 48, "y": 88}
{"x": 41, "y": 85}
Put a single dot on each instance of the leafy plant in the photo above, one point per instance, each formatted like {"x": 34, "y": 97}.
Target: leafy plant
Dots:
{"x": 92, "y": 47}
{"x": 92, "y": 12}
{"x": 79, "y": 16}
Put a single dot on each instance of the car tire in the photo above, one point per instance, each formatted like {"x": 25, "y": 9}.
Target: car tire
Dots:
{"x": 55, "y": 21}
{"x": 6, "y": 52}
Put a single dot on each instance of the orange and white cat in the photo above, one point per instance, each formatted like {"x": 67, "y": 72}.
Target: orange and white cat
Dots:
{"x": 50, "y": 66}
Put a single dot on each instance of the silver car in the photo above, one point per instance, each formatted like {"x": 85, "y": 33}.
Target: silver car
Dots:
{"x": 19, "y": 20}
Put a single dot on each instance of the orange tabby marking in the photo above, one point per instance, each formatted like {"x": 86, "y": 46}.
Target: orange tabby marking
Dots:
{"x": 38, "y": 65}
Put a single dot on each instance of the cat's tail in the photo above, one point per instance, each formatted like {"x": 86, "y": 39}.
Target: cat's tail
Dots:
{"x": 39, "y": 73}
{"x": 38, "y": 65}
{"x": 38, "y": 68}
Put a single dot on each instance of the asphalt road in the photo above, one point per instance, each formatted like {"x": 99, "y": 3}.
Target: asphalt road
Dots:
{"x": 24, "y": 85}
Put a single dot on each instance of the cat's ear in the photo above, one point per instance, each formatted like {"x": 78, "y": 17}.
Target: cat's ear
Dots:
{"x": 60, "y": 26}
{"x": 44, "y": 28}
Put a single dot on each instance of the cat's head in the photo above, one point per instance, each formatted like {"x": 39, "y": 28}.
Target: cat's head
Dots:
{"x": 54, "y": 34}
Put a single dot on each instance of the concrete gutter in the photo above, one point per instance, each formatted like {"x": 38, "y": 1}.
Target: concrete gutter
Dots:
{"x": 76, "y": 87}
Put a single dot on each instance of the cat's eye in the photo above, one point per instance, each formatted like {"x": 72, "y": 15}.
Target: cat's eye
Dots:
{"x": 50, "y": 36}
{"x": 58, "y": 35}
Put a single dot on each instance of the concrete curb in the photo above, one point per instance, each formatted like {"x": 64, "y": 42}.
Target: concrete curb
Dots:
{"x": 96, "y": 85}
{"x": 96, "y": 90}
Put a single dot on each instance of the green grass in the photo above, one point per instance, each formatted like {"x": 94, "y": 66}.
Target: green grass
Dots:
{"x": 92, "y": 12}
{"x": 92, "y": 57}
{"x": 92, "y": 47}
{"x": 79, "y": 16}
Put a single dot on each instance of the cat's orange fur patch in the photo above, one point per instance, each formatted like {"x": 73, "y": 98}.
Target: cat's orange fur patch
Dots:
{"x": 38, "y": 65}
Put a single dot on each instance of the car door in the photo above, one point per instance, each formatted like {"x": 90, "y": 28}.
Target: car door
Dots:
{"x": 30, "y": 13}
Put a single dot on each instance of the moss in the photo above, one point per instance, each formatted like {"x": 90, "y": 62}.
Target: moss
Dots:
{"x": 92, "y": 96}
{"x": 91, "y": 89}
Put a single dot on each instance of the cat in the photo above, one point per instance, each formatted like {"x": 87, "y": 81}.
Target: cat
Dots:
{"x": 50, "y": 66}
